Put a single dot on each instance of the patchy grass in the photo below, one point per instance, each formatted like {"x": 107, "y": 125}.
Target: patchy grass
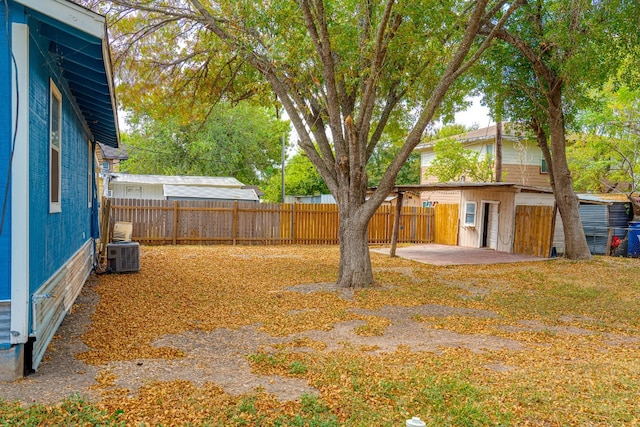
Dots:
{"x": 72, "y": 411}
{"x": 577, "y": 324}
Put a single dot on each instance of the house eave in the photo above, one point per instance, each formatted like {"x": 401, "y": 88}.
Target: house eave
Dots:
{"x": 78, "y": 40}
{"x": 71, "y": 14}
{"x": 455, "y": 186}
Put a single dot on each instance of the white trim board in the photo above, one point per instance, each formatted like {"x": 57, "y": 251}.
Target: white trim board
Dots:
{"x": 20, "y": 187}
{"x": 71, "y": 14}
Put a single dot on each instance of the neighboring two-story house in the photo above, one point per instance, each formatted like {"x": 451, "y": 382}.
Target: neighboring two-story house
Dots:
{"x": 107, "y": 161}
{"x": 522, "y": 160}
{"x": 515, "y": 215}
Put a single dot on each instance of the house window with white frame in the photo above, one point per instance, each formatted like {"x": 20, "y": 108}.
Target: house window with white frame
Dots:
{"x": 543, "y": 166}
{"x": 55, "y": 148}
{"x": 470, "y": 214}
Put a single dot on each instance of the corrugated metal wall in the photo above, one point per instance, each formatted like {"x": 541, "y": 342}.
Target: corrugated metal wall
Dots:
{"x": 595, "y": 222}
{"x": 619, "y": 216}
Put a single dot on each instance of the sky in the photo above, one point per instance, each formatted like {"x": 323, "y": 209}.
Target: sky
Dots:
{"x": 475, "y": 114}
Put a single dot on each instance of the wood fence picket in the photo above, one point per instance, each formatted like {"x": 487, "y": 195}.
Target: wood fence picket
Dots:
{"x": 171, "y": 222}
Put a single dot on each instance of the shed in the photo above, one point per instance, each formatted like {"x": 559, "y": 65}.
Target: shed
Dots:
{"x": 154, "y": 187}
{"x": 502, "y": 216}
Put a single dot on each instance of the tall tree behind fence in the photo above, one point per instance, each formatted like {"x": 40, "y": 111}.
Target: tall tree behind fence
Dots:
{"x": 169, "y": 222}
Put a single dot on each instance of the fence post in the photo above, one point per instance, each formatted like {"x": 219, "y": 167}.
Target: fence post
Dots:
{"x": 235, "y": 221}
{"x": 175, "y": 222}
{"x": 396, "y": 225}
{"x": 609, "y": 240}
{"x": 293, "y": 224}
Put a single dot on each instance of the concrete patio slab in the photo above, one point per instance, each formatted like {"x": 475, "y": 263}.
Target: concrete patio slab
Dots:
{"x": 456, "y": 255}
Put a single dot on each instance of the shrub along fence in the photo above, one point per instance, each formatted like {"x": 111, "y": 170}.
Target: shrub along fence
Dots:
{"x": 171, "y": 222}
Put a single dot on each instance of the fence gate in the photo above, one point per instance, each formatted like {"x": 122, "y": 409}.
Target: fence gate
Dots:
{"x": 534, "y": 230}
{"x": 446, "y": 224}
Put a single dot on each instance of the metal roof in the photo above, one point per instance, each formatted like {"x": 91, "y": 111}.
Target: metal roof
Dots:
{"x": 204, "y": 181}
{"x": 77, "y": 38}
{"x": 109, "y": 152}
{"x": 219, "y": 193}
{"x": 606, "y": 198}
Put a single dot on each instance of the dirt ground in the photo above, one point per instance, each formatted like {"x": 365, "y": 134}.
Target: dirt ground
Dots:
{"x": 220, "y": 356}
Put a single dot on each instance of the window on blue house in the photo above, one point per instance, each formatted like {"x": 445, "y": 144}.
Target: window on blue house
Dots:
{"x": 55, "y": 148}
{"x": 543, "y": 166}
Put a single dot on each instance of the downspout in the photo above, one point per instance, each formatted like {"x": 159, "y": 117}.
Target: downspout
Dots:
{"x": 95, "y": 225}
{"x": 34, "y": 319}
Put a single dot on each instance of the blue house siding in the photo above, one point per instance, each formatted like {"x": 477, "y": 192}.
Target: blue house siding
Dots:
{"x": 5, "y": 153}
{"x": 45, "y": 254}
{"x": 54, "y": 237}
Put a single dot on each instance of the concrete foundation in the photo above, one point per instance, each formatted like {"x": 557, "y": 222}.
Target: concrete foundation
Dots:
{"x": 12, "y": 363}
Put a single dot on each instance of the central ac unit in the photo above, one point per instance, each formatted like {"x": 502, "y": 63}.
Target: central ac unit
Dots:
{"x": 123, "y": 257}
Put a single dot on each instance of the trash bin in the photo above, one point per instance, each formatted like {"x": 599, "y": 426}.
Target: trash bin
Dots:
{"x": 634, "y": 239}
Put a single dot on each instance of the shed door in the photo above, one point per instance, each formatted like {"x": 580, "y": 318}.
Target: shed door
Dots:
{"x": 492, "y": 226}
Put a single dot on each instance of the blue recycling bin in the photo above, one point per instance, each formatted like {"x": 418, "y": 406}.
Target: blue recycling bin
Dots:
{"x": 634, "y": 239}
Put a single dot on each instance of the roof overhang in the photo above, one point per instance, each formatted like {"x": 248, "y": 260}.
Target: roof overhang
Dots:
{"x": 211, "y": 193}
{"x": 456, "y": 186}
{"x": 77, "y": 37}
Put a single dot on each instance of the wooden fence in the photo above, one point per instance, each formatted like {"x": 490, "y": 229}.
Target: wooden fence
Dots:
{"x": 533, "y": 230}
{"x": 162, "y": 222}
{"x": 446, "y": 224}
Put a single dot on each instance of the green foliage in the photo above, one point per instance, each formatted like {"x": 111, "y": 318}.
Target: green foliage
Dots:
{"x": 580, "y": 44}
{"x": 606, "y": 157}
{"x": 198, "y": 56}
{"x": 449, "y": 130}
{"x": 301, "y": 179}
{"x": 297, "y": 368}
{"x": 342, "y": 71}
{"x": 388, "y": 148}
{"x": 453, "y": 161}
{"x": 379, "y": 163}
{"x": 243, "y": 141}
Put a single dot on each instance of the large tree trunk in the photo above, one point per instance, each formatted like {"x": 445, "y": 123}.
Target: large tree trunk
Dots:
{"x": 355, "y": 261}
{"x": 576, "y": 247}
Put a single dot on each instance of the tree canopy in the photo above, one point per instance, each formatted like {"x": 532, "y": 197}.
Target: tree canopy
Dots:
{"x": 340, "y": 69}
{"x": 453, "y": 162}
{"x": 605, "y": 155}
{"x": 301, "y": 179}
{"x": 553, "y": 51}
{"x": 242, "y": 141}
